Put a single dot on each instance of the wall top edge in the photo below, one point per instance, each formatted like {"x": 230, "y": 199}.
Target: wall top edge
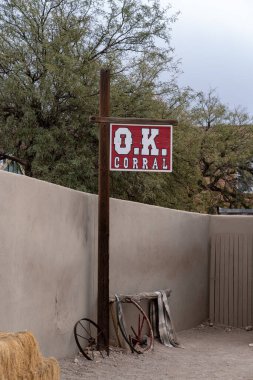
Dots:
{"x": 12, "y": 177}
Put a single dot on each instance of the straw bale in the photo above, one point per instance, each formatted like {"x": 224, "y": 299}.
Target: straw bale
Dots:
{"x": 20, "y": 358}
{"x": 48, "y": 369}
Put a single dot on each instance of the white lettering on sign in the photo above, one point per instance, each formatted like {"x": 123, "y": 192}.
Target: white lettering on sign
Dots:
{"x": 148, "y": 141}
{"x": 144, "y": 163}
{"x": 125, "y": 162}
{"x": 164, "y": 164}
{"x": 135, "y": 163}
{"x": 155, "y": 165}
{"x": 123, "y": 141}
{"x": 116, "y": 162}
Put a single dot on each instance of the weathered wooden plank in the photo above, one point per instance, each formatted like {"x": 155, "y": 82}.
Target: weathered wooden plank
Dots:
{"x": 132, "y": 120}
{"x": 115, "y": 325}
{"x": 245, "y": 281}
{"x": 236, "y": 278}
{"x": 231, "y": 281}
{"x": 226, "y": 278}
{"x": 250, "y": 252}
{"x": 240, "y": 281}
{"x": 140, "y": 296}
{"x": 217, "y": 278}
{"x": 212, "y": 280}
{"x": 222, "y": 277}
{"x": 103, "y": 313}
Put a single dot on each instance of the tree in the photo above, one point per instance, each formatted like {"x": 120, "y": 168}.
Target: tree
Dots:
{"x": 51, "y": 52}
{"x": 225, "y": 156}
{"x": 208, "y": 110}
{"x": 239, "y": 116}
{"x": 224, "y": 153}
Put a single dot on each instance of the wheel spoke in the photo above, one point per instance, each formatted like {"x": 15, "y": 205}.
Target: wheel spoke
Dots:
{"x": 143, "y": 320}
{"x": 85, "y": 329}
{"x": 100, "y": 333}
{"x": 136, "y": 336}
{"x": 80, "y": 336}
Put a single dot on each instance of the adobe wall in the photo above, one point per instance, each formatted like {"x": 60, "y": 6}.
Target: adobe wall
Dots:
{"x": 48, "y": 256}
{"x": 157, "y": 248}
{"x": 222, "y": 224}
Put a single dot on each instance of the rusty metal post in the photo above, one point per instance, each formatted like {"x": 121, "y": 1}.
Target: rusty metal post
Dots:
{"x": 103, "y": 210}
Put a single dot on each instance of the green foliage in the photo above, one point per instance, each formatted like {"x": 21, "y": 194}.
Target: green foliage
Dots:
{"x": 208, "y": 110}
{"x": 225, "y": 156}
{"x": 51, "y": 54}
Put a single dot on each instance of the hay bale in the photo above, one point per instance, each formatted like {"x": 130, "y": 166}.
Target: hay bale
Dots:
{"x": 20, "y": 358}
{"x": 48, "y": 369}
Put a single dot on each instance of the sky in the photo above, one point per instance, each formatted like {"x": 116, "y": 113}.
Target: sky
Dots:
{"x": 214, "y": 40}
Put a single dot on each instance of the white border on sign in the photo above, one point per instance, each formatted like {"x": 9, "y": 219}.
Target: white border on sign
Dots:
{"x": 140, "y": 170}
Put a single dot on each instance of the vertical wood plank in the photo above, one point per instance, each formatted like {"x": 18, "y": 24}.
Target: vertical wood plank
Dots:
{"x": 236, "y": 277}
{"x": 245, "y": 281}
{"x": 212, "y": 280}
{"x": 226, "y": 278}
{"x": 222, "y": 277}
{"x": 217, "y": 279}
{"x": 249, "y": 251}
{"x": 240, "y": 282}
{"x": 231, "y": 281}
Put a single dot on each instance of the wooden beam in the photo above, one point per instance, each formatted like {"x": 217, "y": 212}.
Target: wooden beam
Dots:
{"x": 103, "y": 211}
{"x": 132, "y": 120}
{"x": 140, "y": 296}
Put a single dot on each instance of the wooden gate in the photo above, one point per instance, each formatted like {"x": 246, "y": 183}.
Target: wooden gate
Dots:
{"x": 231, "y": 279}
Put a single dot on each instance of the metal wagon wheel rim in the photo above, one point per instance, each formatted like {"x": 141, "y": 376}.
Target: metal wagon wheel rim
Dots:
{"x": 86, "y": 333}
{"x": 136, "y": 341}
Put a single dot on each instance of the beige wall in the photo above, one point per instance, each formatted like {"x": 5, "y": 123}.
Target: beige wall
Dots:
{"x": 156, "y": 248}
{"x": 240, "y": 224}
{"x": 48, "y": 255}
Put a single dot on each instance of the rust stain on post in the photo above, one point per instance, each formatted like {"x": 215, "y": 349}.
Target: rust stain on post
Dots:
{"x": 103, "y": 209}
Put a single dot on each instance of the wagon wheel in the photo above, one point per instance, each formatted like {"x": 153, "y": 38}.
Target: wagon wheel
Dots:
{"x": 137, "y": 332}
{"x": 86, "y": 334}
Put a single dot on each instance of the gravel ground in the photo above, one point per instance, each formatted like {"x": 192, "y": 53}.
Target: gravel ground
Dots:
{"x": 208, "y": 353}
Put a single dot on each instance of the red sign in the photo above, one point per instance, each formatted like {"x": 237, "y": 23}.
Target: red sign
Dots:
{"x": 144, "y": 148}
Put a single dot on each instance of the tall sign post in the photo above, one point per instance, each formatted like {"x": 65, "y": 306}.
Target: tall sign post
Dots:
{"x": 125, "y": 144}
{"x": 103, "y": 210}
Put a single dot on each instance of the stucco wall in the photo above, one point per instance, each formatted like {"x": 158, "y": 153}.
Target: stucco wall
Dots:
{"x": 156, "y": 248}
{"x": 240, "y": 224}
{"x": 48, "y": 256}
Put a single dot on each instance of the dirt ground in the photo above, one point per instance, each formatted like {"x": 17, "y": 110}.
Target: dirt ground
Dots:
{"x": 208, "y": 353}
